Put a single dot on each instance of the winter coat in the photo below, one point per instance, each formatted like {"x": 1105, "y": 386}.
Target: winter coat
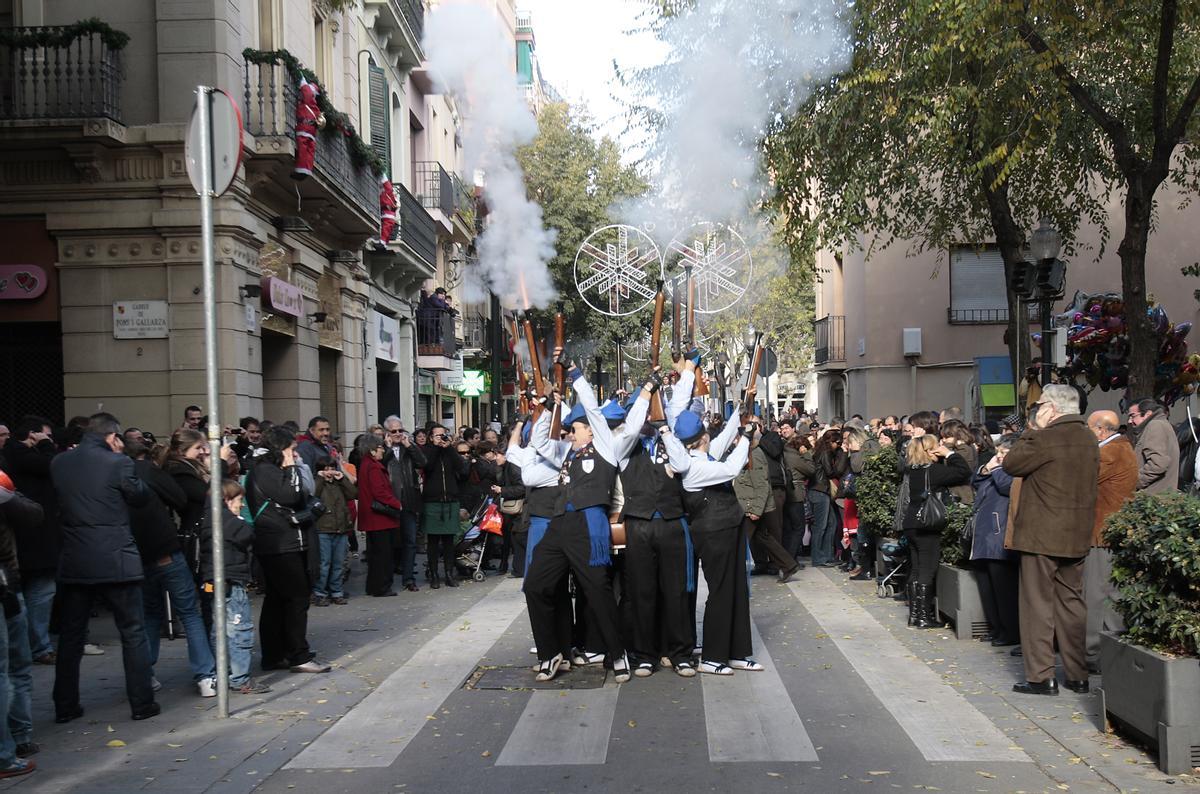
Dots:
{"x": 38, "y": 545}
{"x": 1116, "y": 482}
{"x": 753, "y": 485}
{"x": 18, "y": 514}
{"x": 239, "y": 539}
{"x": 276, "y": 491}
{"x": 831, "y": 465}
{"x": 153, "y": 528}
{"x": 195, "y": 488}
{"x": 337, "y": 496}
{"x": 481, "y": 476}
{"x": 1059, "y": 466}
{"x": 402, "y": 465}
{"x": 510, "y": 483}
{"x": 445, "y": 471}
{"x": 802, "y": 467}
{"x": 96, "y": 487}
{"x": 374, "y": 486}
{"x": 771, "y": 443}
{"x": 991, "y": 515}
{"x": 943, "y": 473}
{"x": 964, "y": 492}
{"x": 1157, "y": 455}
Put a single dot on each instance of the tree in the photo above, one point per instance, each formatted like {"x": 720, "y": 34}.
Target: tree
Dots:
{"x": 941, "y": 132}
{"x": 1133, "y": 69}
{"x": 576, "y": 178}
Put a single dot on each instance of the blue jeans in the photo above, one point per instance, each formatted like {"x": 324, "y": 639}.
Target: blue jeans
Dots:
{"x": 20, "y": 678}
{"x": 822, "y": 527}
{"x": 175, "y": 578}
{"x": 39, "y": 597}
{"x": 334, "y": 547}
{"x": 239, "y": 635}
{"x": 8, "y": 747}
{"x": 406, "y": 545}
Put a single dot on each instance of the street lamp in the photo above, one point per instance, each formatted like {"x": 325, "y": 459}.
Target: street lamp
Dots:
{"x": 1045, "y": 243}
{"x": 750, "y": 337}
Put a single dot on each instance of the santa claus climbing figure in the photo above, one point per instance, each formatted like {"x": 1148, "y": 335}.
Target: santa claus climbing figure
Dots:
{"x": 387, "y": 211}
{"x": 308, "y": 120}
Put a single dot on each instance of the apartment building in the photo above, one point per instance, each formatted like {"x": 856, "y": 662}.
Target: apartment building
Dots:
{"x": 898, "y": 332}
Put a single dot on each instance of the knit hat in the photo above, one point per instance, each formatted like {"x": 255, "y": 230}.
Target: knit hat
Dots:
{"x": 688, "y": 427}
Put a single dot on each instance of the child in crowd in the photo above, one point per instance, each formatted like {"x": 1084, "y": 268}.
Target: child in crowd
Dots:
{"x": 337, "y": 491}
{"x": 239, "y": 621}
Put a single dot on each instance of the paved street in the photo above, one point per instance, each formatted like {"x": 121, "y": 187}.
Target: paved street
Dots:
{"x": 432, "y": 692}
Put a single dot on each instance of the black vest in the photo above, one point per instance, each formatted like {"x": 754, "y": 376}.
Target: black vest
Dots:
{"x": 588, "y": 482}
{"x": 648, "y": 489}
{"x": 713, "y": 507}
{"x": 542, "y": 501}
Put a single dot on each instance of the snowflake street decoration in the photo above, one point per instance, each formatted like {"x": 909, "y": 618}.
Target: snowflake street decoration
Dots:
{"x": 617, "y": 270}
{"x": 720, "y": 263}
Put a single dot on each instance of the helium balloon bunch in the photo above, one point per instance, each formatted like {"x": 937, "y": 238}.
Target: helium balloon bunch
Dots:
{"x": 1098, "y": 346}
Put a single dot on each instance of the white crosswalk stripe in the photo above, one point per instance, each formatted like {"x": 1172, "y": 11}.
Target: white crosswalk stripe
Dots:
{"x": 568, "y": 728}
{"x": 941, "y": 722}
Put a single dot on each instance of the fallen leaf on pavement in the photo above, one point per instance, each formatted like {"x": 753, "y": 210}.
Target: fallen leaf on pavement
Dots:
{"x": 116, "y": 743}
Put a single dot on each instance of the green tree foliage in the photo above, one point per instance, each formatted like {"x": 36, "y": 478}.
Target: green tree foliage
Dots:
{"x": 1155, "y": 541}
{"x": 577, "y": 178}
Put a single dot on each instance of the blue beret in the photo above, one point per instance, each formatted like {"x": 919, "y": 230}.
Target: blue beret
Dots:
{"x": 577, "y": 414}
{"x": 688, "y": 427}
{"x": 613, "y": 412}
{"x": 526, "y": 432}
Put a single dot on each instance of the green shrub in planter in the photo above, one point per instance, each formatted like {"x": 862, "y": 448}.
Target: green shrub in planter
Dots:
{"x": 953, "y": 550}
{"x": 1155, "y": 541}
{"x": 875, "y": 490}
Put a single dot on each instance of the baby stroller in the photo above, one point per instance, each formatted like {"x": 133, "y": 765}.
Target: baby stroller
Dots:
{"x": 891, "y": 572}
{"x": 471, "y": 547}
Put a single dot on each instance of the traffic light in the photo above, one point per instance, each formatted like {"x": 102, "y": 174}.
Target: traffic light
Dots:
{"x": 1051, "y": 277}
{"x": 1022, "y": 279}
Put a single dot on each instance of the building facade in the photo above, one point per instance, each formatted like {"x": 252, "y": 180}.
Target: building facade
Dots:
{"x": 315, "y": 314}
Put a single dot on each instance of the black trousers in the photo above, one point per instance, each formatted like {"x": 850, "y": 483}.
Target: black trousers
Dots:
{"x": 722, "y": 554}
{"x": 924, "y": 555}
{"x": 767, "y": 534}
{"x": 283, "y": 620}
{"x": 655, "y": 583}
{"x": 440, "y": 547}
{"x": 567, "y": 547}
{"x": 75, "y": 607}
{"x": 520, "y": 541}
{"x": 380, "y": 561}
{"x": 998, "y": 591}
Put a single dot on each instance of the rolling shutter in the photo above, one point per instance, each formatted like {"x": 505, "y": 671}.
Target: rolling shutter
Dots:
{"x": 977, "y": 279}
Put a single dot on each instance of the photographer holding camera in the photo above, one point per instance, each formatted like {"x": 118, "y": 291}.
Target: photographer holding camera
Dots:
{"x": 445, "y": 471}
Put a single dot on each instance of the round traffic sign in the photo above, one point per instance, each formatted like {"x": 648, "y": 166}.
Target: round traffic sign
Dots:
{"x": 769, "y": 364}
{"x": 225, "y": 136}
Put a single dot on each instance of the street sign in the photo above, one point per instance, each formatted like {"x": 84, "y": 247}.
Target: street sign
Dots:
{"x": 769, "y": 364}
{"x": 225, "y": 123}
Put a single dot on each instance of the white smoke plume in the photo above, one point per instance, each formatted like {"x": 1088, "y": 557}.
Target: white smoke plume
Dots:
{"x": 471, "y": 59}
{"x": 732, "y": 66}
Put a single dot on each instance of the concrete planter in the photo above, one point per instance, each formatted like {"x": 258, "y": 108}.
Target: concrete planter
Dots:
{"x": 958, "y": 599}
{"x": 1155, "y": 698}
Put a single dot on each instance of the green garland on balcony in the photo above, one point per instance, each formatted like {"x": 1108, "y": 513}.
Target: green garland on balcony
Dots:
{"x": 62, "y": 36}
{"x": 361, "y": 152}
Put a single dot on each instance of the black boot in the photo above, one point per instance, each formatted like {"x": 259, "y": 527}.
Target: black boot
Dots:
{"x": 929, "y": 615}
{"x": 434, "y": 582}
{"x": 914, "y": 608}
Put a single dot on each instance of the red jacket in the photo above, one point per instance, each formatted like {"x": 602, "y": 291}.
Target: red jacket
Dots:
{"x": 374, "y": 486}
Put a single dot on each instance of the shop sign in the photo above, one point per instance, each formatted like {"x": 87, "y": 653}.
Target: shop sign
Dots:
{"x": 453, "y": 377}
{"x": 251, "y": 318}
{"x": 21, "y": 282}
{"x": 474, "y": 383}
{"x": 283, "y": 297}
{"x": 387, "y": 339}
{"x": 140, "y": 320}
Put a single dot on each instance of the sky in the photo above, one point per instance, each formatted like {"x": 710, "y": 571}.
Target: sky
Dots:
{"x": 577, "y": 41}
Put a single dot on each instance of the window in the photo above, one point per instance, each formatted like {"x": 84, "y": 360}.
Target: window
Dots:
{"x": 978, "y": 293}
{"x": 379, "y": 112}
{"x": 323, "y": 50}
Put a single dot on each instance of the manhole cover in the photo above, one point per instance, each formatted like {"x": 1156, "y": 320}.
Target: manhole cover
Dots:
{"x": 518, "y": 677}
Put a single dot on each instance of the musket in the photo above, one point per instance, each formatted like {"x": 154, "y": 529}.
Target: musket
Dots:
{"x": 619, "y": 367}
{"x": 676, "y": 329}
{"x": 701, "y": 389}
{"x": 660, "y": 299}
{"x": 539, "y": 383}
{"x": 522, "y": 381}
{"x": 560, "y": 371}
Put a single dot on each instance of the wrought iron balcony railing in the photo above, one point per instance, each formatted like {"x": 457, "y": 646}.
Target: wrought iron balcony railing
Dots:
{"x": 434, "y": 187}
{"x": 830, "y": 339}
{"x": 76, "y": 80}
{"x": 435, "y": 332}
{"x": 988, "y": 316}
{"x": 413, "y": 12}
{"x": 417, "y": 228}
{"x": 270, "y": 110}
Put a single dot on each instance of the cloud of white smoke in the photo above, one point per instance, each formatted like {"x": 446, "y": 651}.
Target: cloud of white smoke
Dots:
{"x": 471, "y": 59}
{"x": 733, "y": 66}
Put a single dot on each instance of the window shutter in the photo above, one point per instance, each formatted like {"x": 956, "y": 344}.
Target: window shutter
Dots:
{"x": 380, "y": 128}
{"x": 977, "y": 279}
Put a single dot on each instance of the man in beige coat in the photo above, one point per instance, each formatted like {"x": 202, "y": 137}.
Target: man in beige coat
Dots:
{"x": 1157, "y": 447}
{"x": 1059, "y": 462}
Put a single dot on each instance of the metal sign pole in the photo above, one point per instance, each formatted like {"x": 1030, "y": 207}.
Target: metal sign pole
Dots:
{"x": 216, "y": 503}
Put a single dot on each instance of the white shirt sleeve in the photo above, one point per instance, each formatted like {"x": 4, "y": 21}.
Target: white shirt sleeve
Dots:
{"x": 721, "y": 442}
{"x": 627, "y": 438}
{"x": 705, "y": 472}
{"x": 519, "y": 455}
{"x": 602, "y": 437}
{"x": 677, "y": 454}
{"x": 553, "y": 451}
{"x": 681, "y": 395}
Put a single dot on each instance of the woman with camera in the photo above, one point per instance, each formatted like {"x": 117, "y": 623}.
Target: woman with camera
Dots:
{"x": 378, "y": 515}
{"x": 929, "y": 469}
{"x": 285, "y": 545}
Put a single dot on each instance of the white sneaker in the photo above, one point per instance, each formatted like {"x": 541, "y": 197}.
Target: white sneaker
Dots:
{"x": 207, "y": 687}
{"x": 583, "y": 658}
{"x": 746, "y": 664}
{"x": 155, "y": 684}
{"x": 90, "y": 649}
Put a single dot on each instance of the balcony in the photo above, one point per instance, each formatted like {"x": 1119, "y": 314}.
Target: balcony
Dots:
{"x": 830, "y": 340}
{"x": 436, "y": 345}
{"x": 466, "y": 211}
{"x": 474, "y": 333}
{"x": 988, "y": 316}
{"x": 400, "y": 26}
{"x": 340, "y": 192}
{"x": 418, "y": 230}
{"x": 435, "y": 188}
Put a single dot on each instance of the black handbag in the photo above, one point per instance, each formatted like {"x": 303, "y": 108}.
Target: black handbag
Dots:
{"x": 387, "y": 510}
{"x": 932, "y": 514}
{"x": 313, "y": 509}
